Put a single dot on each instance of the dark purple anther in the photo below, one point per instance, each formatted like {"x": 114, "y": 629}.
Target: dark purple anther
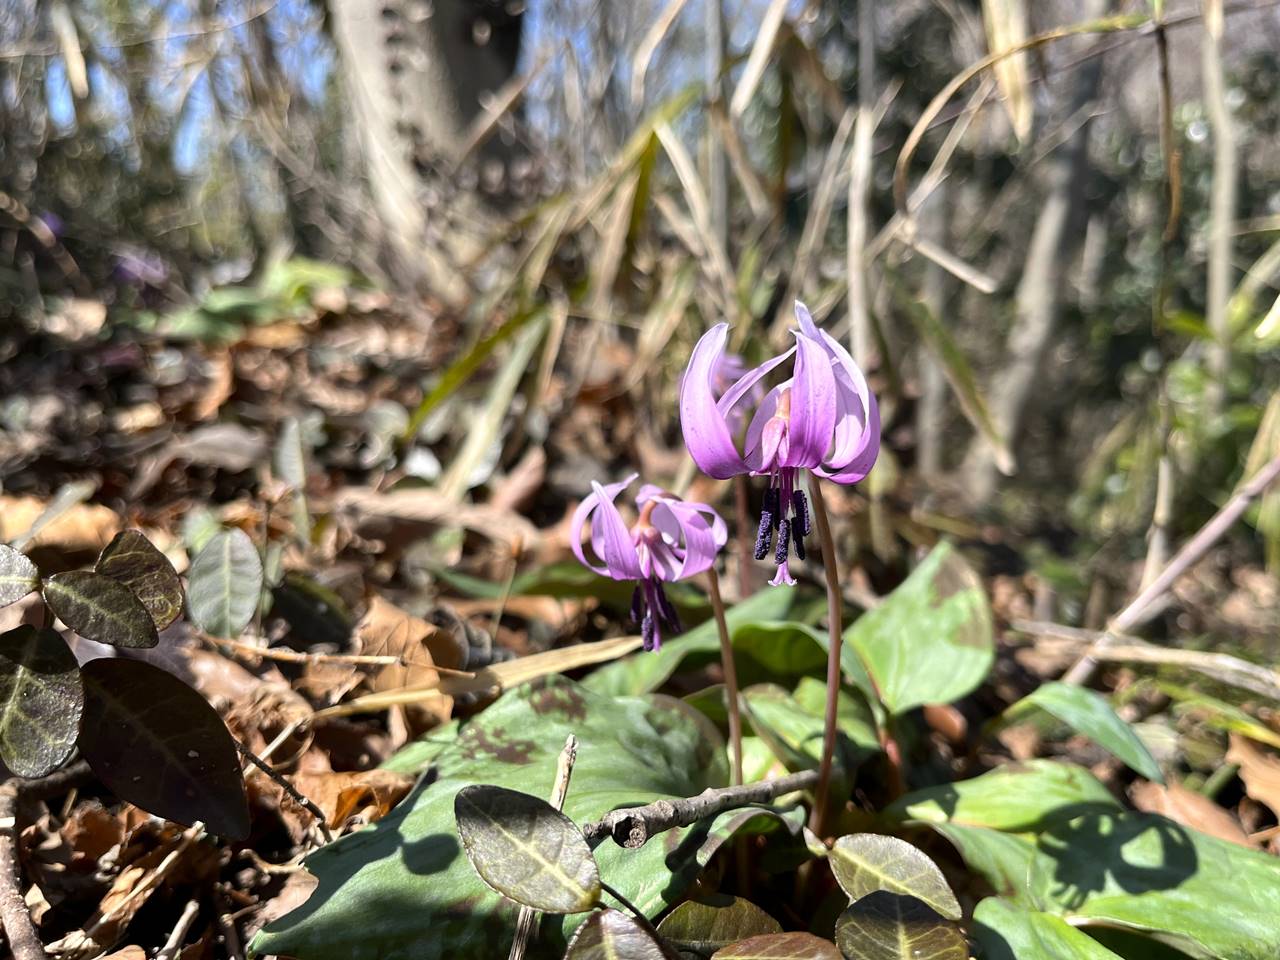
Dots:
{"x": 784, "y": 542}
{"x": 768, "y": 522}
{"x": 648, "y": 630}
{"x": 801, "y": 508}
{"x": 637, "y": 604}
{"x": 666, "y": 611}
{"x": 797, "y": 538}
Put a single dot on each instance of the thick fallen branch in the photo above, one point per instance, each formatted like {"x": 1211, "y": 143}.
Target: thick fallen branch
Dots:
{"x": 1222, "y": 667}
{"x": 632, "y": 827}
{"x": 18, "y": 928}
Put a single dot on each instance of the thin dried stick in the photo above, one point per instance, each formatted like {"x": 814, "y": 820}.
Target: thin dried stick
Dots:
{"x": 1183, "y": 560}
{"x": 356, "y": 659}
{"x": 528, "y": 918}
{"x": 634, "y": 826}
{"x": 288, "y": 788}
{"x": 173, "y": 944}
{"x": 18, "y": 928}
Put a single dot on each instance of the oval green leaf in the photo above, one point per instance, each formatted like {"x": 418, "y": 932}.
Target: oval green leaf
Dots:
{"x": 41, "y": 699}
{"x": 225, "y": 584}
{"x": 526, "y": 849}
{"x": 158, "y": 744}
{"x": 704, "y": 926}
{"x": 931, "y": 640}
{"x": 1007, "y": 931}
{"x": 610, "y": 935}
{"x": 1089, "y": 713}
{"x": 866, "y": 862}
{"x": 98, "y": 608}
{"x": 780, "y": 946}
{"x": 18, "y": 575}
{"x": 132, "y": 559}
{"x": 889, "y": 926}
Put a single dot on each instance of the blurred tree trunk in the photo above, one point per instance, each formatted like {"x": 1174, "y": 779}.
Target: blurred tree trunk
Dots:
{"x": 416, "y": 74}
{"x": 1040, "y": 290}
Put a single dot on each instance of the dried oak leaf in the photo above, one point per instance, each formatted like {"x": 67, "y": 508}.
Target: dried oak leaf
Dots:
{"x": 1190, "y": 809}
{"x": 367, "y": 794}
{"x": 1259, "y": 771}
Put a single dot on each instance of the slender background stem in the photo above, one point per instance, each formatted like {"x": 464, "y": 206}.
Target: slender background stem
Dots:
{"x": 730, "y": 675}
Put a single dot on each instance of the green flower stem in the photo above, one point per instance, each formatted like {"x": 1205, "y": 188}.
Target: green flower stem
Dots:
{"x": 730, "y": 675}
{"x": 835, "y": 625}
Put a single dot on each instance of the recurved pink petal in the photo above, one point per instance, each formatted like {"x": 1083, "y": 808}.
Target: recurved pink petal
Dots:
{"x": 610, "y": 540}
{"x": 698, "y": 531}
{"x": 706, "y": 434}
{"x": 813, "y": 405}
{"x": 856, "y": 441}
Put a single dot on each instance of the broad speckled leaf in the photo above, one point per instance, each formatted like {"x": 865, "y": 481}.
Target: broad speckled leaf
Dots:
{"x": 132, "y": 559}
{"x": 890, "y": 926}
{"x": 780, "y": 946}
{"x": 705, "y": 925}
{"x": 866, "y": 862}
{"x": 225, "y": 584}
{"x": 646, "y": 672}
{"x": 1088, "y": 713}
{"x": 41, "y": 699}
{"x": 98, "y": 608}
{"x": 18, "y": 575}
{"x": 1015, "y": 796}
{"x": 1205, "y": 896}
{"x": 1007, "y": 931}
{"x": 930, "y": 641}
{"x": 526, "y": 849}
{"x": 611, "y": 935}
{"x": 158, "y": 744}
{"x": 401, "y": 889}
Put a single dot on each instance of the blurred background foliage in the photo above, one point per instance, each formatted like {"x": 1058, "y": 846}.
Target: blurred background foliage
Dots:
{"x": 1045, "y": 328}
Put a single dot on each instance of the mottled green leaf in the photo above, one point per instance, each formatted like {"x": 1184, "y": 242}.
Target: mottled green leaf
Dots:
{"x": 526, "y": 849}
{"x": 780, "y": 946}
{"x": 866, "y": 862}
{"x": 225, "y": 584}
{"x": 1007, "y": 931}
{"x": 646, "y": 672}
{"x": 930, "y": 641}
{"x": 611, "y": 935}
{"x": 890, "y": 926}
{"x": 402, "y": 889}
{"x": 1015, "y": 796}
{"x": 1088, "y": 713}
{"x": 18, "y": 575}
{"x": 41, "y": 699}
{"x": 131, "y": 559}
{"x": 705, "y": 925}
{"x": 158, "y": 744}
{"x": 1205, "y": 896}
{"x": 98, "y": 608}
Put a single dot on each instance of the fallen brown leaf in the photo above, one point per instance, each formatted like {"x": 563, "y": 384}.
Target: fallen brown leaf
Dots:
{"x": 368, "y": 794}
{"x": 1190, "y": 809}
{"x": 1259, "y": 771}
{"x": 83, "y": 528}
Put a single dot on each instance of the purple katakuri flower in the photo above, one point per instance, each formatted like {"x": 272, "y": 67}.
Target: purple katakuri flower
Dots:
{"x": 671, "y": 540}
{"x": 823, "y": 418}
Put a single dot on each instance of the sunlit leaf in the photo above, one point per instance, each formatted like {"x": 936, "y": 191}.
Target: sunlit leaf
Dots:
{"x": 18, "y": 575}
{"x": 225, "y": 584}
{"x": 1004, "y": 860}
{"x": 930, "y": 641}
{"x": 780, "y": 946}
{"x": 705, "y": 925}
{"x": 1205, "y": 896}
{"x": 403, "y": 889}
{"x": 158, "y": 744}
{"x": 289, "y": 463}
{"x": 98, "y": 608}
{"x": 611, "y": 935}
{"x": 1015, "y": 796}
{"x": 890, "y": 926}
{"x": 866, "y": 862}
{"x": 41, "y": 699}
{"x": 526, "y": 849}
{"x": 131, "y": 559}
{"x": 1089, "y": 713}
{"x": 1006, "y": 931}
{"x": 794, "y": 730}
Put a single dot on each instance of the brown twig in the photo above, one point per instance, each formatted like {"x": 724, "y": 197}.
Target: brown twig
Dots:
{"x": 288, "y": 788}
{"x": 632, "y": 827}
{"x": 528, "y": 918}
{"x": 355, "y": 659}
{"x": 1183, "y": 560}
{"x": 18, "y": 928}
{"x": 1222, "y": 667}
